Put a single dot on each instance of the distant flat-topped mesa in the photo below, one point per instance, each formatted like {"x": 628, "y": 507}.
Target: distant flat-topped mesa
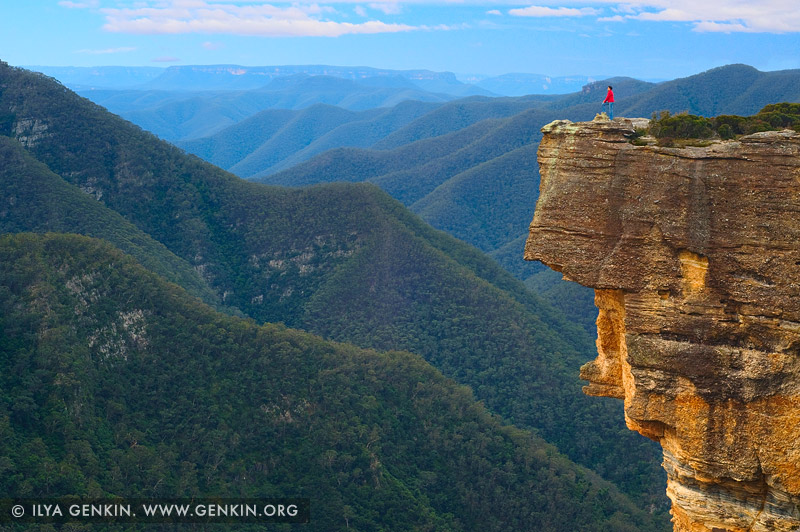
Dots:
{"x": 694, "y": 255}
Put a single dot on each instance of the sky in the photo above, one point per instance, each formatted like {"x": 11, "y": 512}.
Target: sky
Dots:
{"x": 646, "y": 39}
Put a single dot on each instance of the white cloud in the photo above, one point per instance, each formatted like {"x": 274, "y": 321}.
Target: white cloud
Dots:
{"x": 494, "y": 12}
{"x": 120, "y": 50}
{"x": 208, "y": 45}
{"x": 724, "y": 27}
{"x": 761, "y": 16}
{"x": 625, "y": 8}
{"x": 258, "y": 19}
{"x": 388, "y": 8}
{"x": 754, "y": 16}
{"x": 542, "y": 11}
{"x": 671, "y": 15}
{"x": 79, "y": 5}
{"x": 615, "y": 18}
{"x": 360, "y": 11}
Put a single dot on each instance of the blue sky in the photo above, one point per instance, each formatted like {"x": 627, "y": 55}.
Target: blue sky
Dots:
{"x": 649, "y": 39}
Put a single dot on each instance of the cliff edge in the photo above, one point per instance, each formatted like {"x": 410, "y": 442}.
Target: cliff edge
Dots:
{"x": 694, "y": 256}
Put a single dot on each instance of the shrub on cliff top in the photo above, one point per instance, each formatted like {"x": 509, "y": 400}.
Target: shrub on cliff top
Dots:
{"x": 666, "y": 127}
{"x": 683, "y": 126}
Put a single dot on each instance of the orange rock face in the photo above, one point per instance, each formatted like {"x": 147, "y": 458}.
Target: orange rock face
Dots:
{"x": 694, "y": 255}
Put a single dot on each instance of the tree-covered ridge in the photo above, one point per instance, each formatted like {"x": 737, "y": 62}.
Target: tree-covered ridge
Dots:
{"x": 117, "y": 383}
{"x": 731, "y": 89}
{"x": 343, "y": 260}
{"x": 35, "y": 199}
{"x": 276, "y": 139}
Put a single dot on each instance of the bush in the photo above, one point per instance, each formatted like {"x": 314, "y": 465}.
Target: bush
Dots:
{"x": 725, "y": 132}
{"x": 667, "y": 128}
{"x": 684, "y": 126}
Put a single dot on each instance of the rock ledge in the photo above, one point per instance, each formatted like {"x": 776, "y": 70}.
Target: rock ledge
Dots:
{"x": 694, "y": 255}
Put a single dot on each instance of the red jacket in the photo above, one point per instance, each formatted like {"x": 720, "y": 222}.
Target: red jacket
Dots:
{"x": 609, "y": 97}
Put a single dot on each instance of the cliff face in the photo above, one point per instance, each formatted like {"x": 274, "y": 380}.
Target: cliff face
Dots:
{"x": 694, "y": 255}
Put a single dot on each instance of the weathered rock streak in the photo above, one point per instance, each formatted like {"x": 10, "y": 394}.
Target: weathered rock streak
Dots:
{"x": 694, "y": 255}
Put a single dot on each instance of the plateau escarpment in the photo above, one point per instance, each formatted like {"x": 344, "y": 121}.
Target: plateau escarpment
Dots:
{"x": 694, "y": 255}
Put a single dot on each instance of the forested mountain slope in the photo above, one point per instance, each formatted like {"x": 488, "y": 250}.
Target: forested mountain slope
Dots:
{"x": 116, "y": 383}
{"x": 346, "y": 261}
{"x": 35, "y": 199}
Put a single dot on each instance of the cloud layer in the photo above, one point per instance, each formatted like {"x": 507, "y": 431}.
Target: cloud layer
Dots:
{"x": 256, "y": 19}
{"x": 754, "y": 16}
{"x": 283, "y": 18}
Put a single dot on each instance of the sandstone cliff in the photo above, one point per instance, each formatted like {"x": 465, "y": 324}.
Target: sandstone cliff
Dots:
{"x": 694, "y": 255}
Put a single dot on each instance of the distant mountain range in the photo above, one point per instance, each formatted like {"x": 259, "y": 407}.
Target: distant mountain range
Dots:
{"x": 187, "y": 102}
{"x": 237, "y": 77}
{"x": 520, "y": 84}
{"x": 184, "y": 102}
{"x": 101, "y": 77}
{"x": 184, "y": 115}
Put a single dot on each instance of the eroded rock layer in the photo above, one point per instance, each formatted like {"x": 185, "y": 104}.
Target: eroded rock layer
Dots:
{"x": 694, "y": 255}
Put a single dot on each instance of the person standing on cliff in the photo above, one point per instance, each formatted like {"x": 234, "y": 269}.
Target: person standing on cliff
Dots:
{"x": 610, "y": 101}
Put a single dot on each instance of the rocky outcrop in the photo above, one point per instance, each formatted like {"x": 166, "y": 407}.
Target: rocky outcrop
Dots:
{"x": 694, "y": 255}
